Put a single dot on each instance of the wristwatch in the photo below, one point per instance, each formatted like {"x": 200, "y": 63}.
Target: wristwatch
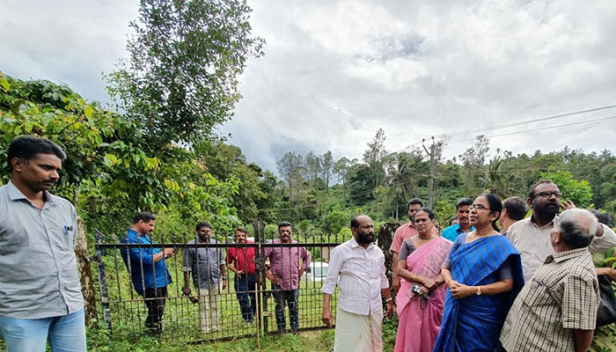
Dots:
{"x": 478, "y": 290}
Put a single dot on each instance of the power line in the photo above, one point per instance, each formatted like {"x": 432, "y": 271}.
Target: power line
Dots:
{"x": 540, "y": 119}
{"x": 514, "y": 124}
{"x": 540, "y": 129}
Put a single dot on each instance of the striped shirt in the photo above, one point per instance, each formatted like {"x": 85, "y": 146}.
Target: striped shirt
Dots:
{"x": 360, "y": 275}
{"x": 563, "y": 295}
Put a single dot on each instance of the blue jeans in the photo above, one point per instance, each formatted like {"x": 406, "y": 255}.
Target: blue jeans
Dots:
{"x": 65, "y": 333}
{"x": 291, "y": 299}
{"x": 245, "y": 292}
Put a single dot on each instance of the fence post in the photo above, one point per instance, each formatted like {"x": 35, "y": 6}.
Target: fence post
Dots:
{"x": 102, "y": 280}
{"x": 258, "y": 227}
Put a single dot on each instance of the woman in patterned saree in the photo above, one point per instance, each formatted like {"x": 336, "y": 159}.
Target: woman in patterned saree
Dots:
{"x": 484, "y": 275}
{"x": 421, "y": 296}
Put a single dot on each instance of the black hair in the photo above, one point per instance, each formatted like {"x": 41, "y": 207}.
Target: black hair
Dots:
{"x": 601, "y": 217}
{"x": 27, "y": 148}
{"x": 496, "y": 205}
{"x": 143, "y": 216}
{"x": 426, "y": 210}
{"x": 203, "y": 224}
{"x": 531, "y": 192}
{"x": 242, "y": 230}
{"x": 451, "y": 219}
{"x": 413, "y": 202}
{"x": 355, "y": 221}
{"x": 463, "y": 202}
{"x": 284, "y": 224}
{"x": 516, "y": 208}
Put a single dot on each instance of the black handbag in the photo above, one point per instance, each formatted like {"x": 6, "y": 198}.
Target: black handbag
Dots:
{"x": 606, "y": 314}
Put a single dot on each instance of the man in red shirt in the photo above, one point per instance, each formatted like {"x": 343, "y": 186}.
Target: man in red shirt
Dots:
{"x": 241, "y": 260}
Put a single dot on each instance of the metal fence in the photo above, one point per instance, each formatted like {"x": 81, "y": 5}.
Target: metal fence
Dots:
{"x": 124, "y": 310}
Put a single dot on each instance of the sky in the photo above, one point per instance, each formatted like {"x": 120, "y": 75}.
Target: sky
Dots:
{"x": 334, "y": 72}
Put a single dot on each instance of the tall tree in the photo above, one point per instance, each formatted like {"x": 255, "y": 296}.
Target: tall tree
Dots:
{"x": 180, "y": 80}
{"x": 327, "y": 164}
{"x": 473, "y": 160}
{"x": 373, "y": 156}
{"x": 342, "y": 168}
{"x": 313, "y": 168}
{"x": 291, "y": 167}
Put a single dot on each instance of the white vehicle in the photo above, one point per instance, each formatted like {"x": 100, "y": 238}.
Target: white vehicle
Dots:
{"x": 317, "y": 271}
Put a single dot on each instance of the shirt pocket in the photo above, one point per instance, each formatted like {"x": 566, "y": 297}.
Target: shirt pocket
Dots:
{"x": 206, "y": 258}
{"x": 61, "y": 236}
{"x": 375, "y": 267}
{"x": 538, "y": 295}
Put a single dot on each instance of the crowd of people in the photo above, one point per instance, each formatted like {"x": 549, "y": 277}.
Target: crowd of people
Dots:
{"x": 205, "y": 261}
{"x": 493, "y": 280}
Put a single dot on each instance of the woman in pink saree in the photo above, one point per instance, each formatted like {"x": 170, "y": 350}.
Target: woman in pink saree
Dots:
{"x": 421, "y": 297}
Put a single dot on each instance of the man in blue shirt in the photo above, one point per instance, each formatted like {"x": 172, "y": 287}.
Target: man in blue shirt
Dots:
{"x": 148, "y": 269}
{"x": 464, "y": 223}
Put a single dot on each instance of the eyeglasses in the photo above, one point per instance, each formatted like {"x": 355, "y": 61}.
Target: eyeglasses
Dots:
{"x": 549, "y": 194}
{"x": 477, "y": 207}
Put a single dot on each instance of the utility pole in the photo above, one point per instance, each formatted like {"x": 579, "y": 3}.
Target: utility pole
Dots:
{"x": 432, "y": 167}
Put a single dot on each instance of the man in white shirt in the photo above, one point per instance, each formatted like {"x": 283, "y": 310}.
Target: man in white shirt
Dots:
{"x": 358, "y": 267}
{"x": 531, "y": 236}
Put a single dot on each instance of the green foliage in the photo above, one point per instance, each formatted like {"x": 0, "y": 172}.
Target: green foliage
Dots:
{"x": 180, "y": 81}
{"x": 271, "y": 231}
{"x": 444, "y": 210}
{"x": 109, "y": 173}
{"x": 579, "y": 192}
{"x": 336, "y": 219}
{"x": 344, "y": 234}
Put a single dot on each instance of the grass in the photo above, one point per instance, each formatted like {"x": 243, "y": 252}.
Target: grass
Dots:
{"x": 317, "y": 341}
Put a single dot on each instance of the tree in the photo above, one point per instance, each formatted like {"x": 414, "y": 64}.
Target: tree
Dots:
{"x": 342, "y": 168}
{"x": 473, "y": 160}
{"x": 497, "y": 180}
{"x": 402, "y": 176}
{"x": 373, "y": 156}
{"x": 180, "y": 80}
{"x": 578, "y": 191}
{"x": 312, "y": 168}
{"x": 361, "y": 184}
{"x": 291, "y": 167}
{"x": 327, "y": 164}
{"x": 224, "y": 162}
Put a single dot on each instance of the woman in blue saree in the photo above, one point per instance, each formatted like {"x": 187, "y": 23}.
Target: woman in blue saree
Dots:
{"x": 483, "y": 274}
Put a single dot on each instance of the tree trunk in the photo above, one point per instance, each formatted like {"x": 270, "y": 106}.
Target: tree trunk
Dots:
{"x": 85, "y": 272}
{"x": 386, "y": 237}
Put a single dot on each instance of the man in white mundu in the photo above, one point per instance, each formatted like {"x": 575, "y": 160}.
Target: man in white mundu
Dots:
{"x": 358, "y": 267}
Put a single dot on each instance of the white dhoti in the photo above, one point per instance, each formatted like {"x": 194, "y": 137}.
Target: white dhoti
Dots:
{"x": 358, "y": 333}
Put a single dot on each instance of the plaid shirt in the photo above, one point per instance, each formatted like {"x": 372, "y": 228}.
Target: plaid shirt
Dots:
{"x": 563, "y": 295}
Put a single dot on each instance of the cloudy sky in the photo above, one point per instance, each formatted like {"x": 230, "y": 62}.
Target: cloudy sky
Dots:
{"x": 336, "y": 71}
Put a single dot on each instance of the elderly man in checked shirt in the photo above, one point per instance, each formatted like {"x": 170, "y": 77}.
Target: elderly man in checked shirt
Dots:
{"x": 357, "y": 266}
{"x": 556, "y": 310}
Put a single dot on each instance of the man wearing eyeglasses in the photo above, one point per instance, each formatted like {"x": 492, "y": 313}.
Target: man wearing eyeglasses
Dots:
{"x": 531, "y": 236}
